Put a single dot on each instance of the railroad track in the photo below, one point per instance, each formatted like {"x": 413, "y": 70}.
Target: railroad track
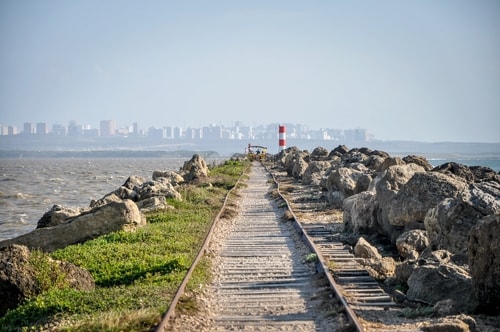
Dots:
{"x": 264, "y": 283}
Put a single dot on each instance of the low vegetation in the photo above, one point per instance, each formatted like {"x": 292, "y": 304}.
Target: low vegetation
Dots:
{"x": 136, "y": 274}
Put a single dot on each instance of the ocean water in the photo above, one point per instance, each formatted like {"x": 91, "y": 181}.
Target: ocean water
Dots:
{"x": 30, "y": 187}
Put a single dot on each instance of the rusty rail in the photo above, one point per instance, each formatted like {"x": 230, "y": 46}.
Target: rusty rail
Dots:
{"x": 170, "y": 314}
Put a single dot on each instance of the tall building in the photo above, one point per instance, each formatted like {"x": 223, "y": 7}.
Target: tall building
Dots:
{"x": 42, "y": 128}
{"x": 212, "y": 132}
{"x": 59, "y": 130}
{"x": 74, "y": 129}
{"x": 12, "y": 130}
{"x": 29, "y": 129}
{"x": 107, "y": 127}
{"x": 4, "y": 130}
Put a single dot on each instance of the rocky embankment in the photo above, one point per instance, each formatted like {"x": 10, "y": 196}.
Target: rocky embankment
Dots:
{"x": 121, "y": 209}
{"x": 443, "y": 222}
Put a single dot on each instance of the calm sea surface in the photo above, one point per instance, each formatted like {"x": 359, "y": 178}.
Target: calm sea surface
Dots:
{"x": 30, "y": 187}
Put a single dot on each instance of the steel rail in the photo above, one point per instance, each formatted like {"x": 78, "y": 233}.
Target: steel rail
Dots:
{"x": 353, "y": 318}
{"x": 170, "y": 314}
{"x": 308, "y": 241}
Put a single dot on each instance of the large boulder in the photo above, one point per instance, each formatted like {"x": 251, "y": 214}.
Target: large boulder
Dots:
{"x": 364, "y": 249}
{"x": 360, "y": 213}
{"x": 128, "y": 190}
{"x": 354, "y": 156}
{"x": 115, "y": 216}
{"x": 173, "y": 177}
{"x": 57, "y": 215}
{"x": 482, "y": 174}
{"x": 346, "y": 181}
{"x": 387, "y": 185}
{"x": 290, "y": 157}
{"x": 419, "y": 160}
{"x": 450, "y": 323}
{"x": 153, "y": 204}
{"x": 338, "y": 151}
{"x": 319, "y": 153}
{"x": 133, "y": 181}
{"x": 456, "y": 169}
{"x": 449, "y": 223}
{"x": 484, "y": 197}
{"x": 439, "y": 278}
{"x": 411, "y": 243}
{"x": 484, "y": 262}
{"x": 162, "y": 187}
{"x": 389, "y": 162}
{"x": 194, "y": 168}
{"x": 421, "y": 193}
{"x": 393, "y": 178}
{"x": 18, "y": 276}
{"x": 299, "y": 168}
{"x": 315, "y": 171}
{"x": 374, "y": 162}
{"x": 379, "y": 267}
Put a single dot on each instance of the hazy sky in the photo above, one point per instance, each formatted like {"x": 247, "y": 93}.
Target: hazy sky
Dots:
{"x": 426, "y": 70}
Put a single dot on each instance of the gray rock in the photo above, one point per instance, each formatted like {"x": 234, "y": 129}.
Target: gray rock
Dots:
{"x": 339, "y": 151}
{"x": 363, "y": 249}
{"x": 57, "y": 215}
{"x": 299, "y": 167}
{"x": 389, "y": 162}
{"x": 315, "y": 171}
{"x": 344, "y": 180}
{"x": 387, "y": 185}
{"x": 456, "y": 169}
{"x": 484, "y": 174}
{"x": 404, "y": 270}
{"x": 420, "y": 194}
{"x": 459, "y": 323}
{"x": 449, "y": 223}
{"x": 194, "y": 168}
{"x": 436, "y": 281}
{"x": 319, "y": 153}
{"x": 484, "y": 197}
{"x": 484, "y": 262}
{"x": 115, "y": 216}
{"x": 160, "y": 188}
{"x": 360, "y": 213}
{"x": 380, "y": 268}
{"x": 18, "y": 279}
{"x": 445, "y": 308}
{"x": 134, "y": 181}
{"x": 412, "y": 241}
{"x": 173, "y": 177}
{"x": 419, "y": 160}
{"x": 153, "y": 204}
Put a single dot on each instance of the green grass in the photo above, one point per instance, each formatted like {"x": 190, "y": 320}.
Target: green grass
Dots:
{"x": 136, "y": 274}
{"x": 418, "y": 312}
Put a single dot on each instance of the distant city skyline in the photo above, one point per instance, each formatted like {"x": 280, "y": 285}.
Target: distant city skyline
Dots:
{"x": 407, "y": 70}
{"x": 237, "y": 131}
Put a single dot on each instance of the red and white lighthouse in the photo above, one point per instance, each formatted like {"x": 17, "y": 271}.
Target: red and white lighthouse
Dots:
{"x": 282, "y": 138}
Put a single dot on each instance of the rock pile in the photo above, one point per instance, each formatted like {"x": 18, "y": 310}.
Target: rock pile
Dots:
{"x": 441, "y": 220}
{"x": 121, "y": 209}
